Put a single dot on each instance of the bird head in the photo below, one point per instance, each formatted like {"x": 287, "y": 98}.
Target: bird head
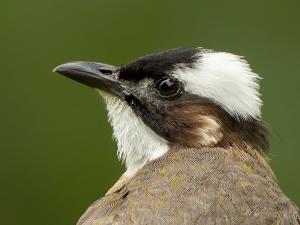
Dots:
{"x": 187, "y": 97}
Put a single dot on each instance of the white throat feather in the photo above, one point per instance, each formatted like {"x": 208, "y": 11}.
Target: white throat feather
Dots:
{"x": 137, "y": 144}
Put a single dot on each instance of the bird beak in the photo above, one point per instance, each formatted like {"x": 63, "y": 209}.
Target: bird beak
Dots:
{"x": 95, "y": 75}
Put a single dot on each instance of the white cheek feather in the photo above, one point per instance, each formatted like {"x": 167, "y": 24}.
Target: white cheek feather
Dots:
{"x": 137, "y": 144}
{"x": 227, "y": 80}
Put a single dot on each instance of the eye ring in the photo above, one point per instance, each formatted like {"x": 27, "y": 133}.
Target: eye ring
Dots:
{"x": 168, "y": 87}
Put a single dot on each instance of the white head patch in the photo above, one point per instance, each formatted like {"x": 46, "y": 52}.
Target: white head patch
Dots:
{"x": 137, "y": 143}
{"x": 227, "y": 80}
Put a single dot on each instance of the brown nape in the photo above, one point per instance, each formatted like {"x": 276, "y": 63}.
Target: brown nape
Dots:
{"x": 251, "y": 132}
{"x": 193, "y": 121}
{"x": 209, "y": 125}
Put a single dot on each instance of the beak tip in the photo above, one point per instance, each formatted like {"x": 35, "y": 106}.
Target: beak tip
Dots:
{"x": 66, "y": 67}
{"x": 57, "y": 69}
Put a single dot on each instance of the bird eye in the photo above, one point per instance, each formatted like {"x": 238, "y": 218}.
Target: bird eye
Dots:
{"x": 168, "y": 87}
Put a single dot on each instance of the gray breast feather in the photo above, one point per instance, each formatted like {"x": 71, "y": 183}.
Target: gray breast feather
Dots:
{"x": 192, "y": 186}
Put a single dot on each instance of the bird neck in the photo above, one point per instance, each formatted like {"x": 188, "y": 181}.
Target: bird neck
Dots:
{"x": 206, "y": 163}
{"x": 244, "y": 154}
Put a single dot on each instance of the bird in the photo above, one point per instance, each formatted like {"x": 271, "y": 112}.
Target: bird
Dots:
{"x": 188, "y": 126}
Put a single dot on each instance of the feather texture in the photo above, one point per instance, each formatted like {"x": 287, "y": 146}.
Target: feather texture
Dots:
{"x": 197, "y": 186}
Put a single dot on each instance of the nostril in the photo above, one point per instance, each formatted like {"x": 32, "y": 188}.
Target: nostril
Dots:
{"x": 104, "y": 71}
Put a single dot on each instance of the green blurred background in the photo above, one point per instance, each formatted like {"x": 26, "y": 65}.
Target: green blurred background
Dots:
{"x": 57, "y": 154}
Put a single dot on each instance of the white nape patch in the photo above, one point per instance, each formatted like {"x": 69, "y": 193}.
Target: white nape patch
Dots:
{"x": 137, "y": 144}
{"x": 226, "y": 79}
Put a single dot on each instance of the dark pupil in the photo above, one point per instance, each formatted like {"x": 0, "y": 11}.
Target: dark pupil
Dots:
{"x": 168, "y": 87}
